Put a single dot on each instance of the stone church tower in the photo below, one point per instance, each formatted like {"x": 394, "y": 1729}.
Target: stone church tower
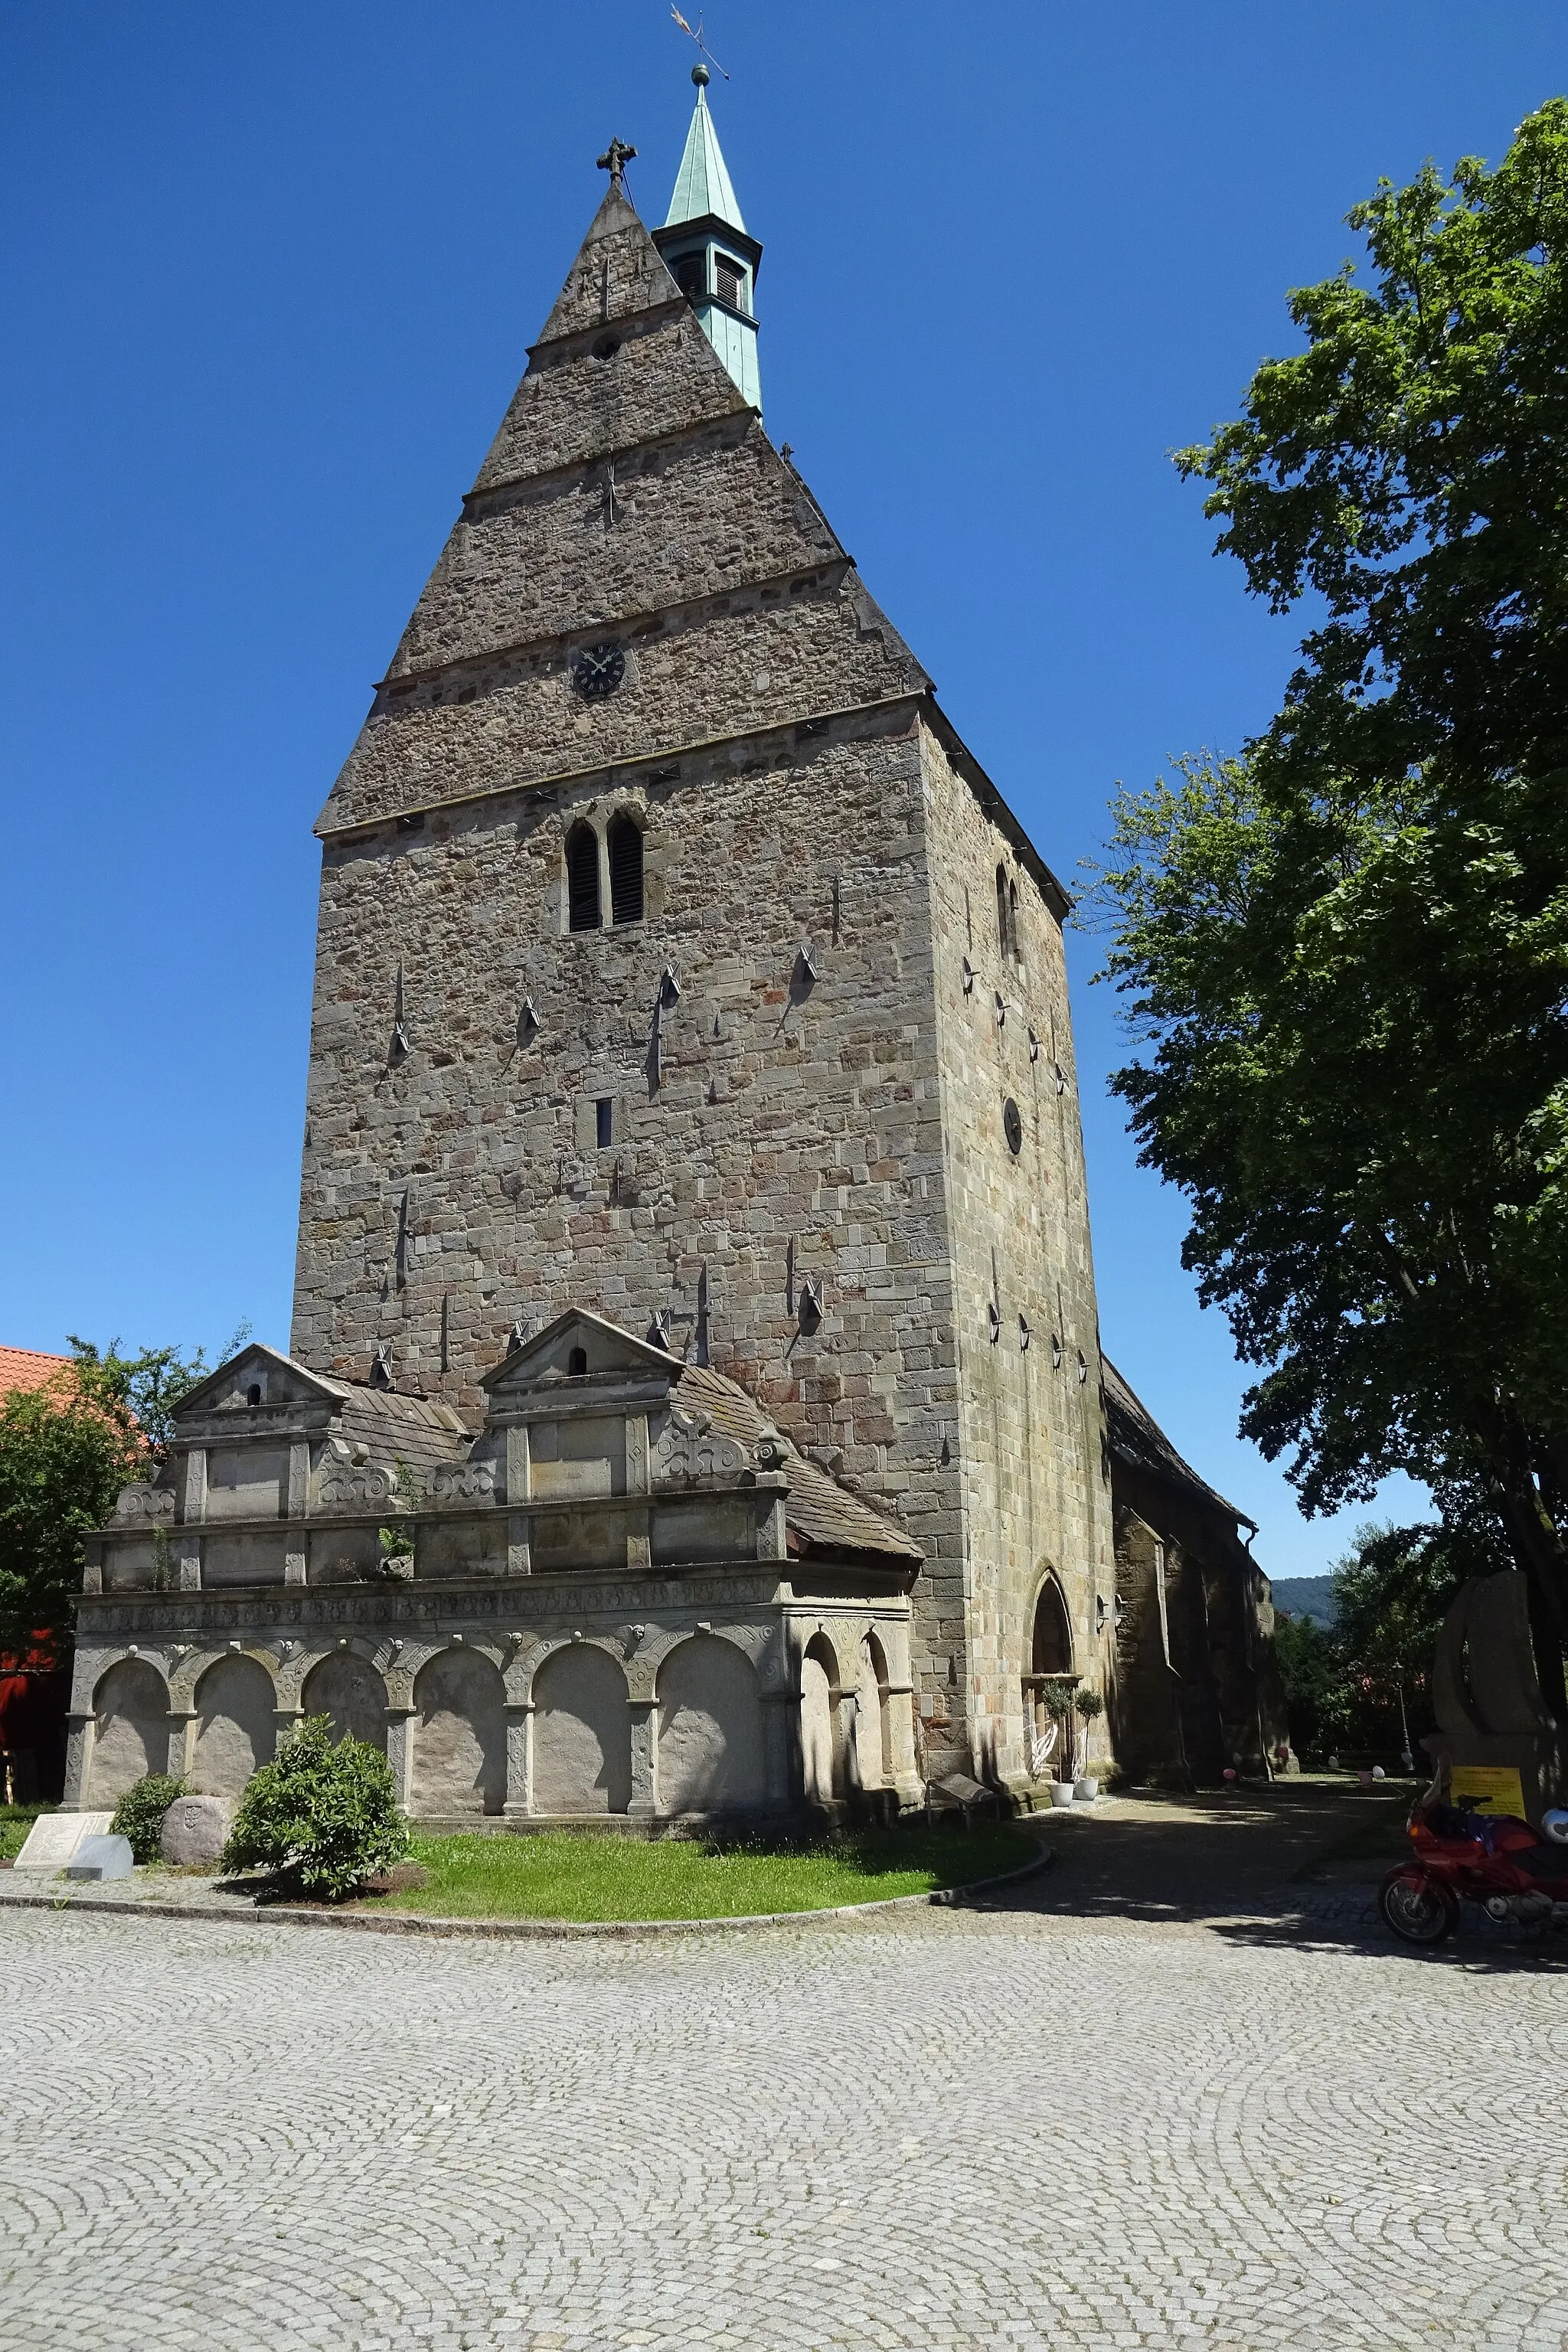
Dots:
{"x": 678, "y": 961}
{"x": 694, "y": 1407}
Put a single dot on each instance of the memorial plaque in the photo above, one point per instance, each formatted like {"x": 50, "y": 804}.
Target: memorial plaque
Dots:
{"x": 102, "y": 1857}
{"x": 54, "y": 1837}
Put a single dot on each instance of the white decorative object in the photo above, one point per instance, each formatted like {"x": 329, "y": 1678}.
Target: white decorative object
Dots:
{"x": 54, "y": 1837}
{"x": 1086, "y": 1787}
{"x": 1061, "y": 1794}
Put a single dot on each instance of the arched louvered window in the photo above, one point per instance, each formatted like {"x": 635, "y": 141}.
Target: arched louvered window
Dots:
{"x": 626, "y": 870}
{"x": 583, "y": 878}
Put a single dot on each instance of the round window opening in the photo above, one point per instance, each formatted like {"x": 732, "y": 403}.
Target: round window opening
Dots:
{"x": 598, "y": 671}
{"x": 1012, "y": 1125}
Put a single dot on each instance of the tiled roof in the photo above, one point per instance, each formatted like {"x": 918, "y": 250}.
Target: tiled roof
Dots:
{"x": 1138, "y": 1438}
{"x": 28, "y": 1368}
{"x": 419, "y": 1431}
{"x": 816, "y": 1507}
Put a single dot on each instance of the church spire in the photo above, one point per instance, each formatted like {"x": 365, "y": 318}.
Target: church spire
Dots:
{"x": 710, "y": 255}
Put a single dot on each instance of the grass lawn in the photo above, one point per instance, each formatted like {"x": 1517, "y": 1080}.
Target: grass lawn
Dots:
{"x": 16, "y": 1821}
{"x": 562, "y": 1874}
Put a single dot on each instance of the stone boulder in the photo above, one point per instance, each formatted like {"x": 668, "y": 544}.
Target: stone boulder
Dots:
{"x": 195, "y": 1831}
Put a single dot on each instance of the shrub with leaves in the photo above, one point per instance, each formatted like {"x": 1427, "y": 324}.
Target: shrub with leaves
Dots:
{"x": 323, "y": 1812}
{"x": 138, "y": 1815}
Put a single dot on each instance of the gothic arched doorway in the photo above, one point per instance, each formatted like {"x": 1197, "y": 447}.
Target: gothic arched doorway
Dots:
{"x": 1047, "y": 1716}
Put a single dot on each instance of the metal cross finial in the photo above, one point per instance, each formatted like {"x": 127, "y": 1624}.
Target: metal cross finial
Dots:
{"x": 615, "y": 158}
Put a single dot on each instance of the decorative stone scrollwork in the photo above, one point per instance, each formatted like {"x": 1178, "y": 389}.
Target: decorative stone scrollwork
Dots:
{"x": 144, "y": 1505}
{"x": 464, "y": 1482}
{"x": 359, "y": 1485}
{"x": 691, "y": 1453}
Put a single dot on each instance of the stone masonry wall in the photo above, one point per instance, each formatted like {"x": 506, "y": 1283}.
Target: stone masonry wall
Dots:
{"x": 1029, "y": 1435}
{"x": 794, "y": 1130}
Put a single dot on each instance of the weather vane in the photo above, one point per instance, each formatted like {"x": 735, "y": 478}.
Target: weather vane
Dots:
{"x": 702, "y": 46}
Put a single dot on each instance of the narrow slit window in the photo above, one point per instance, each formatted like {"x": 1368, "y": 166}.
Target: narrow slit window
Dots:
{"x": 626, "y": 870}
{"x": 604, "y": 1120}
{"x": 583, "y": 878}
{"x": 1003, "y": 911}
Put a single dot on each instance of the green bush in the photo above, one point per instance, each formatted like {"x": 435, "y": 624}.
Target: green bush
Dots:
{"x": 138, "y": 1815}
{"x": 325, "y": 1814}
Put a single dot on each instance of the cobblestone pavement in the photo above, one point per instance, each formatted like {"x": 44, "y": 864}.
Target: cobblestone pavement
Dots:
{"x": 1031, "y": 2127}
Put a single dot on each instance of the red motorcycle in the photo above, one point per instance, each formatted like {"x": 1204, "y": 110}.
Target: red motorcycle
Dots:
{"x": 1501, "y": 1864}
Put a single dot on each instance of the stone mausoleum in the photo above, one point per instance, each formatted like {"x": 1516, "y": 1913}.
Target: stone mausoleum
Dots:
{"x": 694, "y": 1404}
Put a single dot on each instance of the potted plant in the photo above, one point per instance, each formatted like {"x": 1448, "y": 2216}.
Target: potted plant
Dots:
{"x": 1087, "y": 1704}
{"x": 1059, "y": 1699}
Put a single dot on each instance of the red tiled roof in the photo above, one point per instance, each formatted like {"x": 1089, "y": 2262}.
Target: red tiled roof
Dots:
{"x": 28, "y": 1368}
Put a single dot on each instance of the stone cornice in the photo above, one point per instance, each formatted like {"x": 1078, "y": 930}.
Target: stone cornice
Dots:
{"x": 700, "y": 609}
{"x": 669, "y": 757}
{"x": 512, "y": 485}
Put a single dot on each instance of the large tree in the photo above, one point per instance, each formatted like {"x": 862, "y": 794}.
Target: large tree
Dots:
{"x": 66, "y": 1450}
{"x": 1347, "y": 951}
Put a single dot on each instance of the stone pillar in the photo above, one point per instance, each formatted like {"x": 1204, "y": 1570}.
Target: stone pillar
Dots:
{"x": 519, "y": 1802}
{"x": 644, "y": 1743}
{"x": 400, "y": 1751}
{"x": 79, "y": 1729}
{"x": 182, "y": 1721}
{"x": 640, "y": 1541}
{"x": 781, "y": 1735}
{"x": 899, "y": 1759}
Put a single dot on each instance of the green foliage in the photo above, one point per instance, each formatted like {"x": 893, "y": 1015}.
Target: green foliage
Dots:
{"x": 138, "y": 1815}
{"x": 1088, "y": 1702}
{"x": 326, "y": 1814}
{"x": 16, "y": 1822}
{"x": 556, "y": 1874}
{"x": 1343, "y": 1683}
{"x": 1316, "y": 1701}
{"x": 1348, "y": 951}
{"x": 65, "y": 1452}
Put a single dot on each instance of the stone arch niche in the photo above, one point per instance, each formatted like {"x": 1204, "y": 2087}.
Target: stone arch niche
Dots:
{"x": 873, "y": 1744}
{"x": 349, "y": 1692}
{"x": 712, "y": 1757}
{"x": 1047, "y": 1732}
{"x": 460, "y": 1736}
{"x": 235, "y": 1727}
{"x": 821, "y": 1730}
{"x": 581, "y": 1734}
{"x": 130, "y": 1729}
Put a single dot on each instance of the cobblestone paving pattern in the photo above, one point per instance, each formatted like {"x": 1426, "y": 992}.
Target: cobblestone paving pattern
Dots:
{"x": 954, "y": 2130}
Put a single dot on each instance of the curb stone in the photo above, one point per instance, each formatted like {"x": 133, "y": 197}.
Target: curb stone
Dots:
{"x": 413, "y": 1923}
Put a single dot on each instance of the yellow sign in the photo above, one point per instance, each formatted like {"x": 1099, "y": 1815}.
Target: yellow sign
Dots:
{"x": 1488, "y": 1788}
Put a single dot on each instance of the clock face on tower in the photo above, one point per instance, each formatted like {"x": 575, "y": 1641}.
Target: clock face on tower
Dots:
{"x": 598, "y": 671}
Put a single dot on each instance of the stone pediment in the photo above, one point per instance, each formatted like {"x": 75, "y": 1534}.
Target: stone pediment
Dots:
{"x": 574, "y": 1353}
{"x": 277, "y": 1380}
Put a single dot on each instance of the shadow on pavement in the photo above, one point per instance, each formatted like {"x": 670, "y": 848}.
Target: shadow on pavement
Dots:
{"x": 1296, "y": 1864}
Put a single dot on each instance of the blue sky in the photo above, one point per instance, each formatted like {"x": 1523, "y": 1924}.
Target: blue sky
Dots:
{"x": 269, "y": 274}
